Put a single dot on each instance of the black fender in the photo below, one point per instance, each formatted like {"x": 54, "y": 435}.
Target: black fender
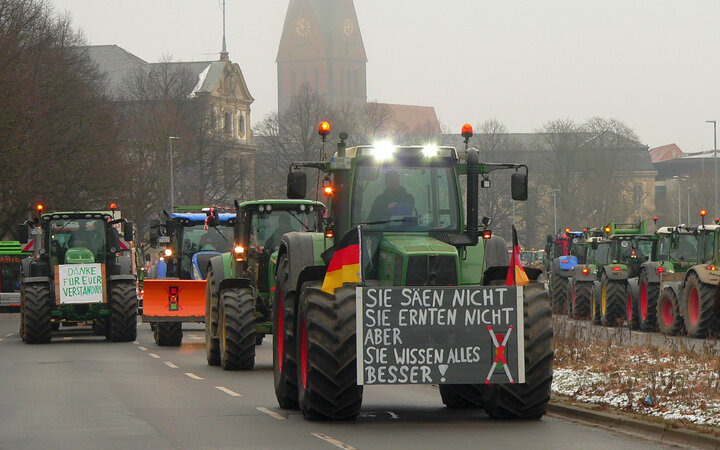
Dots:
{"x": 579, "y": 276}
{"x": 216, "y": 263}
{"x": 615, "y": 275}
{"x": 35, "y": 280}
{"x": 650, "y": 268}
{"x": 123, "y": 266}
{"x": 113, "y": 278}
{"x": 677, "y": 286}
{"x": 564, "y": 273}
{"x": 301, "y": 260}
{"x": 634, "y": 285}
{"x": 230, "y": 283}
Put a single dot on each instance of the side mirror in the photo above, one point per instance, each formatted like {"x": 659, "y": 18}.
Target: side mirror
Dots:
{"x": 519, "y": 186}
{"x": 170, "y": 227}
{"x": 594, "y": 245}
{"x": 23, "y": 232}
{"x": 296, "y": 184}
{"x": 128, "y": 231}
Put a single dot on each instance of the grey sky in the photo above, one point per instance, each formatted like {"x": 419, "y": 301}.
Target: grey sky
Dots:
{"x": 654, "y": 63}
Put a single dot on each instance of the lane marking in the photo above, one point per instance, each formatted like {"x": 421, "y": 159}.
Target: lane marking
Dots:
{"x": 193, "y": 376}
{"x": 270, "y": 413}
{"x": 136, "y": 342}
{"x": 171, "y": 365}
{"x": 154, "y": 355}
{"x": 8, "y": 335}
{"x": 333, "y": 441}
{"x": 1, "y": 339}
{"x": 67, "y": 338}
{"x": 228, "y": 391}
{"x": 143, "y": 348}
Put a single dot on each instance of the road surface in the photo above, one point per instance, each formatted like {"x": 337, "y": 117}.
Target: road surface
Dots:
{"x": 83, "y": 392}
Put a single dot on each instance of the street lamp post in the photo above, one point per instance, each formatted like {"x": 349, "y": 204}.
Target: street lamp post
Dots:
{"x": 554, "y": 194}
{"x": 714, "y": 122}
{"x": 172, "y": 174}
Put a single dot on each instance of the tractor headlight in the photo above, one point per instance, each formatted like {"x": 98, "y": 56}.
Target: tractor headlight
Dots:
{"x": 383, "y": 151}
{"x": 168, "y": 252}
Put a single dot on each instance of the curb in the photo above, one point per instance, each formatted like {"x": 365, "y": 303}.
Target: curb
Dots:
{"x": 664, "y": 434}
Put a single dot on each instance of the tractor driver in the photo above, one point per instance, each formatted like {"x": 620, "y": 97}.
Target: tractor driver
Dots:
{"x": 394, "y": 201}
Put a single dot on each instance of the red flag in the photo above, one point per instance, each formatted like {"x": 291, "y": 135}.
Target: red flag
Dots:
{"x": 516, "y": 275}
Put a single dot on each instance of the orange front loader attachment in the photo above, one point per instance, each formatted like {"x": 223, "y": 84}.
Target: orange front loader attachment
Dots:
{"x": 170, "y": 300}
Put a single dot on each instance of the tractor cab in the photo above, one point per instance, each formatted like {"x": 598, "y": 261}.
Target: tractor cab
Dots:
{"x": 630, "y": 246}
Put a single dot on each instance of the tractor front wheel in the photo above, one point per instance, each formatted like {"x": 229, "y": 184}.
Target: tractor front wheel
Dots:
{"x": 123, "y": 312}
{"x": 612, "y": 301}
{"x": 212, "y": 344}
{"x": 36, "y": 306}
{"x": 631, "y": 310}
{"x": 698, "y": 301}
{"x": 168, "y": 334}
{"x": 237, "y": 329}
{"x": 327, "y": 377}
{"x": 669, "y": 320}
{"x": 528, "y": 400}
{"x": 647, "y": 306}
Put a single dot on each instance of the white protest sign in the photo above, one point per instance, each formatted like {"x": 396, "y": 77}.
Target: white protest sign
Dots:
{"x": 80, "y": 283}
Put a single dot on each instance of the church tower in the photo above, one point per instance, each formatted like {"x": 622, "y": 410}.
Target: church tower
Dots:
{"x": 321, "y": 45}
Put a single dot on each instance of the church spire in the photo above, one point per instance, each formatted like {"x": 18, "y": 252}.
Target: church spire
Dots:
{"x": 224, "y": 56}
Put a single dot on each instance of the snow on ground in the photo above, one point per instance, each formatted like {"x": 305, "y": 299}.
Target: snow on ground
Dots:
{"x": 673, "y": 384}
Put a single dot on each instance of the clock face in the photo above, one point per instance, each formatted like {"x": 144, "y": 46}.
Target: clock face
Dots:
{"x": 348, "y": 27}
{"x": 303, "y": 27}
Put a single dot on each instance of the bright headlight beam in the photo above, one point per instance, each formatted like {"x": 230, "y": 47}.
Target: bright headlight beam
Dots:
{"x": 430, "y": 150}
{"x": 383, "y": 151}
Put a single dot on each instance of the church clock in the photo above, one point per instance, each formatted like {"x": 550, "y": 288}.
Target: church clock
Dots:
{"x": 348, "y": 27}
{"x": 302, "y": 28}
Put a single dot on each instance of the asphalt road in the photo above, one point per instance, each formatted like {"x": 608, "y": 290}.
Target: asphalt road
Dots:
{"x": 83, "y": 392}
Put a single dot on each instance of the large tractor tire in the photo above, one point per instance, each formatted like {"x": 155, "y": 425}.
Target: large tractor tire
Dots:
{"x": 528, "y": 400}
{"x": 237, "y": 329}
{"x": 595, "y": 304}
{"x": 37, "y": 304}
{"x": 123, "y": 312}
{"x": 212, "y": 343}
{"x": 463, "y": 396}
{"x": 100, "y": 327}
{"x": 697, "y": 296}
{"x": 22, "y": 322}
{"x": 168, "y": 334}
{"x": 669, "y": 320}
{"x": 612, "y": 301}
{"x": 560, "y": 287}
{"x": 582, "y": 295}
{"x": 327, "y": 377}
{"x": 284, "y": 345}
{"x": 648, "y": 303}
{"x": 632, "y": 310}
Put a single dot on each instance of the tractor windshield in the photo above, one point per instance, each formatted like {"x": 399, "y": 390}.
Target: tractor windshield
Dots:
{"x": 685, "y": 250}
{"x": 632, "y": 248}
{"x": 74, "y": 241}
{"x": 267, "y": 229}
{"x": 215, "y": 239}
{"x": 9, "y": 274}
{"x": 411, "y": 198}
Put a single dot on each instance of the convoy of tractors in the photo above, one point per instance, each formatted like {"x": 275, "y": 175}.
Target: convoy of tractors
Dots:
{"x": 395, "y": 263}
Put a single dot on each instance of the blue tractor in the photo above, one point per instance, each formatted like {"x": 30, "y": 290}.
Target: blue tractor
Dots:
{"x": 565, "y": 250}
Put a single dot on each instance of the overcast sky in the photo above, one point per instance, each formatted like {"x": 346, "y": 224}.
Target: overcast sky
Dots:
{"x": 653, "y": 64}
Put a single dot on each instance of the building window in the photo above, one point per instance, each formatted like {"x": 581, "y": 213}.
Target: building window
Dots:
{"x": 241, "y": 124}
{"x": 638, "y": 195}
{"x": 228, "y": 123}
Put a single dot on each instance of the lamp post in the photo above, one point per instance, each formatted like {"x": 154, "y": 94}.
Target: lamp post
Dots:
{"x": 677, "y": 180}
{"x": 554, "y": 194}
{"x": 172, "y": 174}
{"x": 714, "y": 122}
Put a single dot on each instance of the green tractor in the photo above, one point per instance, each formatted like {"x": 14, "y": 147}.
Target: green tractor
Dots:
{"x": 373, "y": 299}
{"x": 689, "y": 281}
{"x": 241, "y": 283}
{"x": 630, "y": 246}
{"x": 585, "y": 274}
{"x": 11, "y": 252}
{"x": 79, "y": 272}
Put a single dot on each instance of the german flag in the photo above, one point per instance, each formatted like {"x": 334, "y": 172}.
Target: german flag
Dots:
{"x": 344, "y": 265}
{"x": 516, "y": 275}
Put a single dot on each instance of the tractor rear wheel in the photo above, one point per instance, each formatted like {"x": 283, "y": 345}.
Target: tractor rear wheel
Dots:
{"x": 99, "y": 327}
{"x": 612, "y": 301}
{"x": 327, "y": 377}
{"x": 168, "y": 334}
{"x": 669, "y": 319}
{"x": 237, "y": 329}
{"x": 631, "y": 310}
{"x": 698, "y": 300}
{"x": 37, "y": 304}
{"x": 123, "y": 312}
{"x": 648, "y": 303}
{"x": 595, "y": 304}
{"x": 212, "y": 344}
{"x": 560, "y": 287}
{"x": 581, "y": 300}
{"x": 284, "y": 346}
{"x": 463, "y": 396}
{"x": 22, "y": 322}
{"x": 528, "y": 400}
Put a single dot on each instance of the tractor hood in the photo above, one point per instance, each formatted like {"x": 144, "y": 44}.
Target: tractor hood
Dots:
{"x": 416, "y": 260}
